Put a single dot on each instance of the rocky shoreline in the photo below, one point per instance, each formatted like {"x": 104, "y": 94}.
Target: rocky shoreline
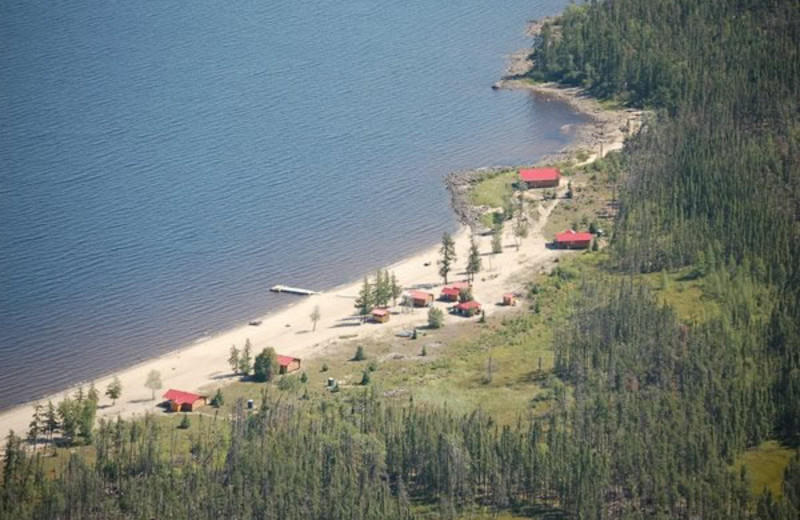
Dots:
{"x": 606, "y": 130}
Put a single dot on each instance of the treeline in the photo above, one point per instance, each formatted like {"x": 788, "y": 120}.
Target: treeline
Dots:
{"x": 712, "y": 186}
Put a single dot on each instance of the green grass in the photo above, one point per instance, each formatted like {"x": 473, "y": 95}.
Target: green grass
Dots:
{"x": 493, "y": 191}
{"x": 765, "y": 465}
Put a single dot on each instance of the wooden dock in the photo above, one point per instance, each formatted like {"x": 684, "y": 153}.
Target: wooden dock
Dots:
{"x": 292, "y": 290}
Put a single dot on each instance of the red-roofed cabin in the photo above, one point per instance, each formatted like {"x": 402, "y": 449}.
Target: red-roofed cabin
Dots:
{"x": 572, "y": 240}
{"x": 509, "y": 299}
{"x": 287, "y": 364}
{"x": 468, "y": 309}
{"x": 540, "y": 177}
{"x": 450, "y": 294}
{"x": 380, "y": 315}
{"x": 420, "y": 298}
{"x": 180, "y": 401}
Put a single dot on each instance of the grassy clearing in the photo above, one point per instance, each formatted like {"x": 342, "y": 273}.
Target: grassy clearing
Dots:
{"x": 765, "y": 465}
{"x": 687, "y": 296}
{"x": 494, "y": 191}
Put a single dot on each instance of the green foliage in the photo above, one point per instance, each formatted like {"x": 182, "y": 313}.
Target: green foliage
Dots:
{"x": 153, "y": 382}
{"x": 245, "y": 359}
{"x": 474, "y": 259}
{"x": 365, "y": 301}
{"x": 303, "y": 378}
{"x": 324, "y": 367}
{"x": 447, "y": 256}
{"x": 289, "y": 384}
{"x": 360, "y": 355}
{"x": 114, "y": 390}
{"x": 435, "y": 318}
{"x": 365, "y": 378}
{"x": 233, "y": 359}
{"x": 218, "y": 399}
{"x": 185, "y": 423}
{"x": 265, "y": 368}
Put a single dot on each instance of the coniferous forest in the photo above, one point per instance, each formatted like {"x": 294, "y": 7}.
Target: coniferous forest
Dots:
{"x": 651, "y": 409}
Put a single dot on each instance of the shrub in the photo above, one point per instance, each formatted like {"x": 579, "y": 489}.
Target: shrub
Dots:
{"x": 435, "y": 318}
{"x": 185, "y": 422}
{"x": 365, "y": 378}
{"x": 218, "y": 400}
{"x": 372, "y": 366}
{"x": 360, "y": 355}
{"x": 265, "y": 367}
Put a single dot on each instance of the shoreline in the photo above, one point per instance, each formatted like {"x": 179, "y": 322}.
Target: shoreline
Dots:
{"x": 202, "y": 364}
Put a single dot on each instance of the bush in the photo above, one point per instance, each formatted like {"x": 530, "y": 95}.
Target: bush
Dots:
{"x": 372, "y": 366}
{"x": 360, "y": 355}
{"x": 424, "y": 351}
{"x": 265, "y": 367}
{"x": 465, "y": 295}
{"x": 185, "y": 422}
{"x": 365, "y": 378}
{"x": 303, "y": 378}
{"x": 218, "y": 399}
{"x": 288, "y": 384}
{"x": 435, "y": 318}
{"x": 324, "y": 367}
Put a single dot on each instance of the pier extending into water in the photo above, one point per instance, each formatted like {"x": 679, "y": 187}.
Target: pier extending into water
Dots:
{"x": 292, "y": 290}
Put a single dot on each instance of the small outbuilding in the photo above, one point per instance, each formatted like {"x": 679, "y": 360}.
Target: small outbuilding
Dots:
{"x": 180, "y": 401}
{"x": 509, "y": 299}
{"x": 468, "y": 309}
{"x": 288, "y": 364}
{"x": 450, "y": 294}
{"x": 539, "y": 177}
{"x": 571, "y": 239}
{"x": 420, "y": 298}
{"x": 380, "y": 315}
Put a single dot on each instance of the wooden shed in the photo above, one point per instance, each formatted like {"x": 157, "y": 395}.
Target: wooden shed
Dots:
{"x": 420, "y": 298}
{"x": 468, "y": 309}
{"x": 180, "y": 401}
{"x": 380, "y": 315}
{"x": 540, "y": 177}
{"x": 573, "y": 240}
{"x": 509, "y": 299}
{"x": 288, "y": 364}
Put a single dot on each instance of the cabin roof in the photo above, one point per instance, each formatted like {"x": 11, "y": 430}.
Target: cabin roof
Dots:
{"x": 285, "y": 361}
{"x": 472, "y": 304}
{"x": 573, "y": 236}
{"x": 181, "y": 397}
{"x": 539, "y": 174}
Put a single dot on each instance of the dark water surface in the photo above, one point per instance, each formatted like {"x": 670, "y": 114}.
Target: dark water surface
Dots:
{"x": 163, "y": 163}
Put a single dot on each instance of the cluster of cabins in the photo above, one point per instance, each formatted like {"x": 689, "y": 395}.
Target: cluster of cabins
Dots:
{"x": 532, "y": 178}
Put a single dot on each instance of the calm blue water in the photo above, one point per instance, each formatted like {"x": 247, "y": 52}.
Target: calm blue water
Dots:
{"x": 163, "y": 163}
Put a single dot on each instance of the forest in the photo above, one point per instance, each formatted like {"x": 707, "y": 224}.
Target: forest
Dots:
{"x": 650, "y": 409}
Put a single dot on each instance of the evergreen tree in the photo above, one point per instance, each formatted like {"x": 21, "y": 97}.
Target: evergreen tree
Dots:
{"x": 364, "y": 302}
{"x": 233, "y": 359}
{"x": 474, "y": 262}
{"x": 447, "y": 256}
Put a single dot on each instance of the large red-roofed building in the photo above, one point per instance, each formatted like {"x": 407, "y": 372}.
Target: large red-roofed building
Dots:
{"x": 540, "y": 177}
{"x": 180, "y": 401}
{"x": 573, "y": 240}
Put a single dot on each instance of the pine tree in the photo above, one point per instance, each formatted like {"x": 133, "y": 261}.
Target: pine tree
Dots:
{"x": 233, "y": 359}
{"x": 447, "y": 256}
{"x": 474, "y": 262}
{"x": 396, "y": 289}
{"x": 364, "y": 303}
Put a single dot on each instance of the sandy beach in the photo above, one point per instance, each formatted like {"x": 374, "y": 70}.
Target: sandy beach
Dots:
{"x": 202, "y": 366}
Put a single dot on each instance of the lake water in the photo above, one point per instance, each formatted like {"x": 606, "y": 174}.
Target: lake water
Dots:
{"x": 163, "y": 163}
